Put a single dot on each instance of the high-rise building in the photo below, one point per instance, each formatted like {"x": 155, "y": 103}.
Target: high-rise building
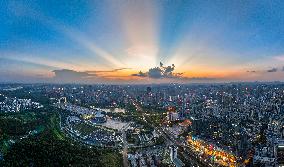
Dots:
{"x": 175, "y": 160}
{"x": 149, "y": 90}
{"x": 279, "y": 153}
{"x": 243, "y": 144}
{"x": 173, "y": 152}
{"x": 196, "y": 126}
{"x": 173, "y": 116}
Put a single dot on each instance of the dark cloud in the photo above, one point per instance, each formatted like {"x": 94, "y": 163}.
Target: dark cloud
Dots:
{"x": 200, "y": 79}
{"x": 119, "y": 69}
{"x": 252, "y": 71}
{"x": 272, "y": 70}
{"x": 160, "y": 72}
{"x": 155, "y": 73}
{"x": 66, "y": 75}
{"x": 106, "y": 71}
{"x": 163, "y": 72}
{"x": 140, "y": 74}
{"x": 71, "y": 76}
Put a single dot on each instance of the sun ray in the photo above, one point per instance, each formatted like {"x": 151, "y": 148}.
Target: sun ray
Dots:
{"x": 139, "y": 21}
{"x": 77, "y": 36}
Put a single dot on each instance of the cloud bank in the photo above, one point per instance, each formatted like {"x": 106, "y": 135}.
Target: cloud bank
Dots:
{"x": 272, "y": 70}
{"x": 66, "y": 75}
{"x": 96, "y": 76}
{"x": 160, "y": 72}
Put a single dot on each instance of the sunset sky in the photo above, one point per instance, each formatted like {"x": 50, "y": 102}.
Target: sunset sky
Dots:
{"x": 124, "y": 41}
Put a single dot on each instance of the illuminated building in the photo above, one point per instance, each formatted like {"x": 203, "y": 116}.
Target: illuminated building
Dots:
{"x": 243, "y": 144}
{"x": 149, "y": 90}
{"x": 62, "y": 100}
{"x": 196, "y": 126}
{"x": 173, "y": 152}
{"x": 173, "y": 116}
{"x": 175, "y": 160}
{"x": 279, "y": 153}
{"x": 99, "y": 117}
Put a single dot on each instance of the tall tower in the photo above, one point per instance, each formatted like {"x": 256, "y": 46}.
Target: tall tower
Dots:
{"x": 173, "y": 152}
{"x": 279, "y": 153}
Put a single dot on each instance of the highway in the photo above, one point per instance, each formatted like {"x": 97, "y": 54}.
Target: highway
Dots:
{"x": 125, "y": 146}
{"x": 125, "y": 149}
{"x": 184, "y": 151}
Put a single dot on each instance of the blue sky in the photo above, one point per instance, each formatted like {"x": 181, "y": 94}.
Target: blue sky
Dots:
{"x": 206, "y": 40}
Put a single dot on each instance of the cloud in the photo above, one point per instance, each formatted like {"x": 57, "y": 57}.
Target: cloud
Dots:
{"x": 165, "y": 74}
{"x": 200, "y": 79}
{"x": 155, "y": 72}
{"x": 273, "y": 70}
{"x": 252, "y": 71}
{"x": 140, "y": 74}
{"x": 72, "y": 76}
{"x": 66, "y": 75}
{"x": 109, "y": 71}
{"x": 160, "y": 72}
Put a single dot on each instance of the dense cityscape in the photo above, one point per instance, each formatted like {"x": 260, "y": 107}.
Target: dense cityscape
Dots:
{"x": 234, "y": 124}
{"x": 141, "y": 83}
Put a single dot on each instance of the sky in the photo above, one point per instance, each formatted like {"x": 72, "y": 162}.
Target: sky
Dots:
{"x": 141, "y": 41}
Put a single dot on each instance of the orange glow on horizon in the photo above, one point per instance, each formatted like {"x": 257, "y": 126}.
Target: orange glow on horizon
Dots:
{"x": 126, "y": 75}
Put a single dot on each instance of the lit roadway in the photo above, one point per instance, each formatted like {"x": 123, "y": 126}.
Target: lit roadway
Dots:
{"x": 170, "y": 141}
{"x": 125, "y": 146}
{"x": 183, "y": 149}
{"x": 124, "y": 152}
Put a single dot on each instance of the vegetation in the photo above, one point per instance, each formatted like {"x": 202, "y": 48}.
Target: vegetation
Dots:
{"x": 85, "y": 128}
{"x": 50, "y": 147}
{"x": 15, "y": 126}
{"x": 46, "y": 150}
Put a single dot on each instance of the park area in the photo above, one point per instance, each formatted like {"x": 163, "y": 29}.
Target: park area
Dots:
{"x": 36, "y": 138}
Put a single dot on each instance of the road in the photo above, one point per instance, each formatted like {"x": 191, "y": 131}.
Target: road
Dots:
{"x": 171, "y": 141}
{"x": 125, "y": 149}
{"x": 184, "y": 151}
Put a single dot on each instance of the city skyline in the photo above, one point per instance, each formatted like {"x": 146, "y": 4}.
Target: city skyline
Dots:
{"x": 141, "y": 41}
